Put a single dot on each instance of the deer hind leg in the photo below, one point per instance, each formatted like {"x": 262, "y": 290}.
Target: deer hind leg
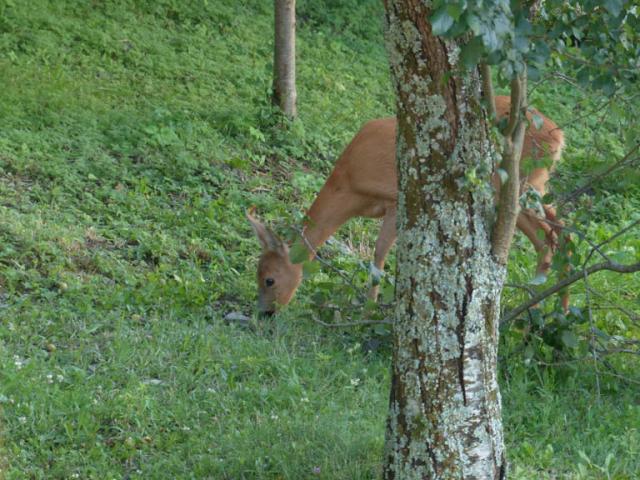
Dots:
{"x": 386, "y": 238}
{"x": 529, "y": 224}
{"x": 557, "y": 225}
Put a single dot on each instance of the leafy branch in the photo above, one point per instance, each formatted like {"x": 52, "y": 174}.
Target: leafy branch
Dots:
{"x": 580, "y": 275}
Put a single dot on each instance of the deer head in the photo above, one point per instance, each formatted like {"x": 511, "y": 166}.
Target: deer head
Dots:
{"x": 278, "y": 278}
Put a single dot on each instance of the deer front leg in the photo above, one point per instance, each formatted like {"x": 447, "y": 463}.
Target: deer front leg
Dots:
{"x": 386, "y": 238}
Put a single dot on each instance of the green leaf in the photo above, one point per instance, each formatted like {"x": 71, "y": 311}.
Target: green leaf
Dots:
{"x": 538, "y": 121}
{"x": 569, "y": 339}
{"x": 472, "y": 52}
{"x": 548, "y": 198}
{"x": 388, "y": 292}
{"x": 533, "y": 73}
{"x": 539, "y": 279}
{"x": 441, "y": 21}
{"x": 504, "y": 176}
{"x": 298, "y": 253}
{"x": 490, "y": 40}
{"x": 576, "y": 312}
{"x": 521, "y": 44}
{"x": 376, "y": 274}
{"x": 529, "y": 352}
{"x": 454, "y": 10}
{"x": 614, "y": 7}
{"x": 310, "y": 268}
{"x": 536, "y": 317}
{"x": 474, "y": 22}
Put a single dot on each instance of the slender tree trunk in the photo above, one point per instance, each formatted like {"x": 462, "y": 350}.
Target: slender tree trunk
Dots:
{"x": 444, "y": 413}
{"x": 284, "y": 61}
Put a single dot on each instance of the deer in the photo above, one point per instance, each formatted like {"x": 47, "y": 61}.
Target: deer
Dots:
{"x": 363, "y": 183}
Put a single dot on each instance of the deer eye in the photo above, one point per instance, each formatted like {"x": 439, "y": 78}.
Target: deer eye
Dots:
{"x": 269, "y": 282}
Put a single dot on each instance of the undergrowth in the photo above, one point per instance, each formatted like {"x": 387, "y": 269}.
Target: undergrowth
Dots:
{"x": 134, "y": 136}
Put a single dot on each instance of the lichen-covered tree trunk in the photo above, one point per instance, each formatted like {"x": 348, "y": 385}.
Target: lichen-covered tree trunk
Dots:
{"x": 284, "y": 60}
{"x": 444, "y": 414}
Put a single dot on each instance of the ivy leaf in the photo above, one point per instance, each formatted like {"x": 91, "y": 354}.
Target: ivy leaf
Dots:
{"x": 614, "y": 7}
{"x": 521, "y": 44}
{"x": 490, "y": 40}
{"x": 441, "y": 21}
{"x": 472, "y": 52}
{"x": 454, "y": 10}
{"x": 474, "y": 22}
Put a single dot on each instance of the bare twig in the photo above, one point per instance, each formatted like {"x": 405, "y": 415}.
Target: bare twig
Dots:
{"x": 622, "y": 377}
{"x": 633, "y": 316}
{"x": 620, "y": 233}
{"x": 528, "y": 289}
{"x": 582, "y": 235}
{"x": 564, "y": 283}
{"x": 627, "y": 159}
{"x": 620, "y": 350}
{"x": 611, "y": 266}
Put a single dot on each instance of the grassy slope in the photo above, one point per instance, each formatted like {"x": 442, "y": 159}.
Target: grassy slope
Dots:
{"x": 134, "y": 134}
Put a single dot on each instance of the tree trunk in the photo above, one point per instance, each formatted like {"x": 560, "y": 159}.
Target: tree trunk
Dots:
{"x": 284, "y": 61}
{"x": 444, "y": 413}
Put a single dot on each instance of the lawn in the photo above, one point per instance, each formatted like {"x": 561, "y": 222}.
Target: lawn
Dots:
{"x": 134, "y": 135}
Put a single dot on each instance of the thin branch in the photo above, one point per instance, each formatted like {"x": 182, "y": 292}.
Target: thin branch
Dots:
{"x": 332, "y": 267}
{"x": 488, "y": 91}
{"x": 592, "y": 333}
{"x": 620, "y": 350}
{"x": 518, "y": 100}
{"x": 633, "y": 316}
{"x": 582, "y": 235}
{"x": 528, "y": 289}
{"x": 508, "y": 208}
{"x": 585, "y": 187}
{"x": 611, "y": 266}
{"x": 349, "y": 281}
{"x": 621, "y": 232}
{"x": 607, "y": 265}
{"x": 621, "y": 377}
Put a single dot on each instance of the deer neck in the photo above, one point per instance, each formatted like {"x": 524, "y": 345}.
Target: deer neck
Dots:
{"x": 323, "y": 219}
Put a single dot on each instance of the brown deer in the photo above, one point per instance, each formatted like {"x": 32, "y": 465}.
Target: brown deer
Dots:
{"x": 364, "y": 184}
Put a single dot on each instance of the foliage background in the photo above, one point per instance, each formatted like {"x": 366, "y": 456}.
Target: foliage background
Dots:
{"x": 134, "y": 136}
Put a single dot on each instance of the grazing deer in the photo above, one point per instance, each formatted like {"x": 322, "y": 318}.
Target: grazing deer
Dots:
{"x": 364, "y": 184}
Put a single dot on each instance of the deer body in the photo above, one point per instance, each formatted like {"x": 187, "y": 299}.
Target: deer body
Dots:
{"x": 364, "y": 184}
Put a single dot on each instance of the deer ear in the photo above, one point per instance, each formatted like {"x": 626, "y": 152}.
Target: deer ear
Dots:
{"x": 269, "y": 240}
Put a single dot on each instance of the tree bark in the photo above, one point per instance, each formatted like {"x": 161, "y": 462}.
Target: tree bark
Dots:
{"x": 444, "y": 412}
{"x": 284, "y": 61}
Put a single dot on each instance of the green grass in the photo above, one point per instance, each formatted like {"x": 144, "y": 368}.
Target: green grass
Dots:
{"x": 134, "y": 136}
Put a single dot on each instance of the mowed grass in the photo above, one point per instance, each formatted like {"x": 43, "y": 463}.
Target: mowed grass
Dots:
{"x": 134, "y": 135}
